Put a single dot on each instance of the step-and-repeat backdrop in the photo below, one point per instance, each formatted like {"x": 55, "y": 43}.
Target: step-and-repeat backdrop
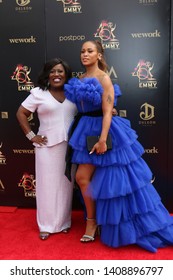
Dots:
{"x": 136, "y": 36}
{"x": 170, "y": 129}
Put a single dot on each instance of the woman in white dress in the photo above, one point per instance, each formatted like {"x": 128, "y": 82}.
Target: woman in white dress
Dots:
{"x": 55, "y": 113}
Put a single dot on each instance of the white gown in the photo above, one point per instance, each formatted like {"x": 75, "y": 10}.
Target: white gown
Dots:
{"x": 53, "y": 190}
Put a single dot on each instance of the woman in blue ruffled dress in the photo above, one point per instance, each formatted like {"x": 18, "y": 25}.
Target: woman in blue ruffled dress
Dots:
{"x": 116, "y": 183}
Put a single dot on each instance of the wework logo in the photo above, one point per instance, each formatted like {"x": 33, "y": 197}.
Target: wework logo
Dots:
{"x": 155, "y": 34}
{"x": 30, "y": 40}
{"x": 153, "y": 150}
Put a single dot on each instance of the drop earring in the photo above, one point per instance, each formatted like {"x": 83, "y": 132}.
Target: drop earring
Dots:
{"x": 48, "y": 84}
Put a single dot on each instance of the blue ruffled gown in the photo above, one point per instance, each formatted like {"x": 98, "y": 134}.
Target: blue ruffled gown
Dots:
{"x": 128, "y": 207}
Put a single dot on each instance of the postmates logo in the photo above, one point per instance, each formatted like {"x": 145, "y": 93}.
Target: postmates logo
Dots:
{"x": 28, "y": 183}
{"x": 144, "y": 72}
{"x": 71, "y": 6}
{"x": 21, "y": 75}
{"x": 106, "y": 33}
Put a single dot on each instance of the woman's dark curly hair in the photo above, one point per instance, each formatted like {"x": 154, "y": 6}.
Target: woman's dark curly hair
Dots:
{"x": 43, "y": 77}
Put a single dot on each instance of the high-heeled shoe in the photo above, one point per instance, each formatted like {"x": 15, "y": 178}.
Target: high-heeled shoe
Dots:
{"x": 90, "y": 238}
{"x": 44, "y": 235}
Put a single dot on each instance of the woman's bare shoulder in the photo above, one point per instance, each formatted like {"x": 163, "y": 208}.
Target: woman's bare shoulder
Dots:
{"x": 104, "y": 78}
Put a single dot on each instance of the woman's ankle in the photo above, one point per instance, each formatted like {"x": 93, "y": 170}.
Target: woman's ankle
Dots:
{"x": 90, "y": 219}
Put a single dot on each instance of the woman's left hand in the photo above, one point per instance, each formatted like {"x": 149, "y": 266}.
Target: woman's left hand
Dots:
{"x": 39, "y": 139}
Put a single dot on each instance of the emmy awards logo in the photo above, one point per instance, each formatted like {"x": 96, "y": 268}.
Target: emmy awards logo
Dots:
{"x": 106, "y": 33}
{"x": 21, "y": 75}
{"x": 71, "y": 6}
{"x": 143, "y": 71}
{"x": 28, "y": 183}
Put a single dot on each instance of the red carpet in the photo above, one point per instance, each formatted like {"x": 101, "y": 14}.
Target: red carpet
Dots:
{"x": 7, "y": 209}
{"x": 19, "y": 241}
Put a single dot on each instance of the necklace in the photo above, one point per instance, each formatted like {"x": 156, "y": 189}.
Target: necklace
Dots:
{"x": 59, "y": 96}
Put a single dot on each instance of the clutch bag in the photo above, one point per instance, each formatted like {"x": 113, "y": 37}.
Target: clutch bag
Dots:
{"x": 92, "y": 140}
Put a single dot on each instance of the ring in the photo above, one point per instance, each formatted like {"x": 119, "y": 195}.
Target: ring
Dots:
{"x": 42, "y": 136}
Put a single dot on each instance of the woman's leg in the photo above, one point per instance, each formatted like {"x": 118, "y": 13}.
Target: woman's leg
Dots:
{"x": 83, "y": 177}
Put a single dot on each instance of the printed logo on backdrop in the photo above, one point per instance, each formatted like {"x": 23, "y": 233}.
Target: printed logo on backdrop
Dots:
{"x": 153, "y": 150}
{"x": 76, "y": 74}
{"x": 147, "y": 115}
{"x": 72, "y": 38}
{"x": 30, "y": 118}
{"x": 2, "y": 157}
{"x": 28, "y": 183}
{"x": 27, "y": 40}
{"x": 123, "y": 113}
{"x": 144, "y": 35}
{"x": 21, "y": 75}
{"x": 23, "y": 5}
{"x": 144, "y": 72}
{"x": 4, "y": 115}
{"x": 24, "y": 151}
{"x": 71, "y": 6}
{"x": 2, "y": 188}
{"x": 112, "y": 74}
{"x": 106, "y": 33}
{"x": 148, "y": 2}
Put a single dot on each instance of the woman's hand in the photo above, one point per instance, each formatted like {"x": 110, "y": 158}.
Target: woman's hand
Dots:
{"x": 100, "y": 148}
{"x": 114, "y": 112}
{"x": 39, "y": 139}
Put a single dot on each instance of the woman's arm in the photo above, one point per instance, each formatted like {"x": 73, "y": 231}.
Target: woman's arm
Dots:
{"x": 22, "y": 116}
{"x": 107, "y": 108}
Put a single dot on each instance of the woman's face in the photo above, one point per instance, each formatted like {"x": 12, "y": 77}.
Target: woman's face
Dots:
{"x": 57, "y": 76}
{"x": 89, "y": 54}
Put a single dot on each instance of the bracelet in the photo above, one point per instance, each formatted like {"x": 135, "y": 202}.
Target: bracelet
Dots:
{"x": 30, "y": 135}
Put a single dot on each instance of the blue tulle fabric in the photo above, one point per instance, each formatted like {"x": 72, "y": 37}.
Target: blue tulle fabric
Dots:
{"x": 128, "y": 207}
